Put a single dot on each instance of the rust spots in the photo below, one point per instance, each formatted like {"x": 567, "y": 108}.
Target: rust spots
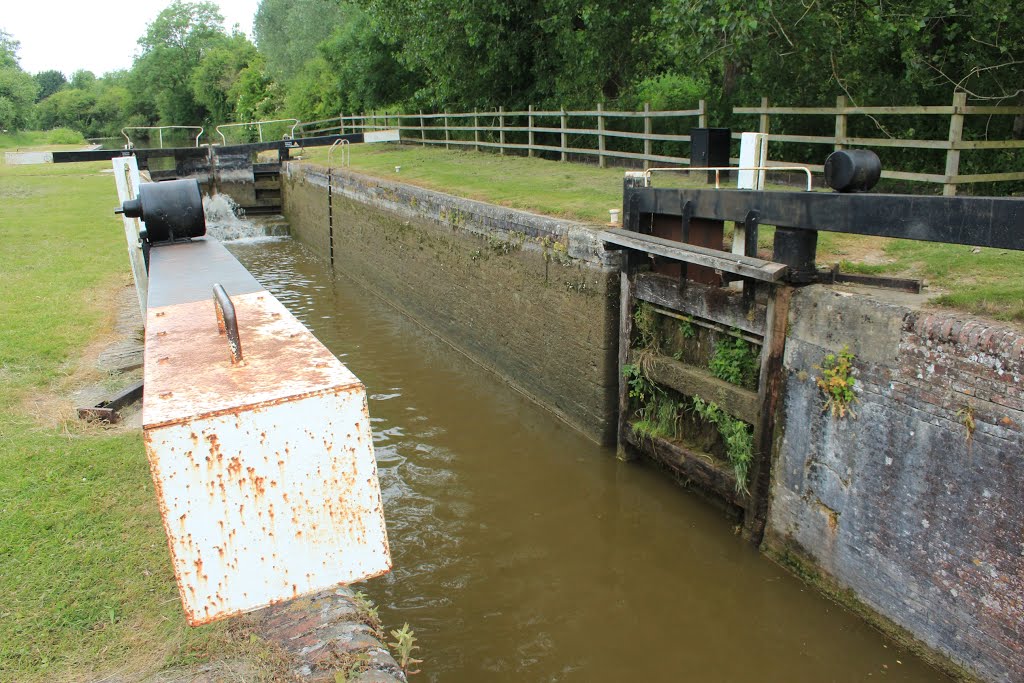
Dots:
{"x": 234, "y": 466}
{"x": 161, "y": 314}
{"x": 260, "y": 483}
{"x": 162, "y": 333}
{"x": 163, "y": 360}
{"x": 166, "y": 394}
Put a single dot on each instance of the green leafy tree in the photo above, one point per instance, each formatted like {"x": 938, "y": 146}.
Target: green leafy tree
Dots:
{"x": 288, "y": 32}
{"x": 49, "y": 82}
{"x": 255, "y": 94}
{"x": 172, "y": 48}
{"x": 70, "y": 108}
{"x": 362, "y": 69}
{"x": 541, "y": 51}
{"x": 17, "y": 88}
{"x": 214, "y": 78}
{"x": 83, "y": 79}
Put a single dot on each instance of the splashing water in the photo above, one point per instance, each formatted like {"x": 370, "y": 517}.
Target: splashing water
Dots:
{"x": 226, "y": 221}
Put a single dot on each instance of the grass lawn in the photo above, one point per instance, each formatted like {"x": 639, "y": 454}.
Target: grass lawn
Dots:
{"x": 989, "y": 282}
{"x": 85, "y": 575}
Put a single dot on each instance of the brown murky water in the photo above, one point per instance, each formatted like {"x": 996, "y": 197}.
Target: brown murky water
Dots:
{"x": 523, "y": 552}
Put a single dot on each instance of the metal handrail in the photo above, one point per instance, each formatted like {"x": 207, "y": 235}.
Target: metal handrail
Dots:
{"x": 160, "y": 130}
{"x": 346, "y": 153}
{"x": 718, "y": 171}
{"x": 259, "y": 127}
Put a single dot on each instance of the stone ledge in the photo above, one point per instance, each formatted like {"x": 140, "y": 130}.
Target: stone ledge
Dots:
{"x": 325, "y": 634}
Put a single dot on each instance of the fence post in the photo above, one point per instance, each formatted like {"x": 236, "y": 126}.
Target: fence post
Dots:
{"x": 565, "y": 136}
{"x": 840, "y": 122}
{"x": 529, "y": 152}
{"x": 476, "y": 133}
{"x": 702, "y": 115}
{"x": 341, "y": 123}
{"x": 763, "y": 123}
{"x": 956, "y": 133}
{"x": 423, "y": 130}
{"x": 647, "y": 132}
{"x": 600, "y": 135}
{"x": 501, "y": 130}
{"x": 447, "y": 134}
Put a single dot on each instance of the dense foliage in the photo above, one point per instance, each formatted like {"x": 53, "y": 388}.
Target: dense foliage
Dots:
{"x": 318, "y": 58}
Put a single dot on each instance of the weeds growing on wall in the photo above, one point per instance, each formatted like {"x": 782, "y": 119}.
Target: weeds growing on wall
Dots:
{"x": 837, "y": 383}
{"x": 368, "y": 613}
{"x": 403, "y": 646}
{"x": 642, "y": 391}
{"x": 736, "y": 361}
{"x": 737, "y": 436}
{"x": 645, "y": 321}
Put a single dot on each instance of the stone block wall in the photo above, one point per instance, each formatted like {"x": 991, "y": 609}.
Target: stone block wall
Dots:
{"x": 533, "y": 298}
{"x": 915, "y": 508}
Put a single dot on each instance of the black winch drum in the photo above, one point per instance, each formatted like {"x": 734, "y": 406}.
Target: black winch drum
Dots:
{"x": 852, "y": 170}
{"x": 172, "y": 210}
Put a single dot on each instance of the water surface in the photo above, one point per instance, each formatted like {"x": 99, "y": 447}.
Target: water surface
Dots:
{"x": 524, "y": 552}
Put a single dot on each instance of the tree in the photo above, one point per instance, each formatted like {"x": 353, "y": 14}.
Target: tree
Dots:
{"x": 49, "y": 82}
{"x": 256, "y": 95}
{"x": 8, "y": 49}
{"x": 219, "y": 69}
{"x": 362, "y": 69}
{"x": 83, "y": 79}
{"x": 907, "y": 52}
{"x": 288, "y": 31}
{"x": 70, "y": 108}
{"x": 515, "y": 52}
{"x": 17, "y": 88}
{"x": 172, "y": 48}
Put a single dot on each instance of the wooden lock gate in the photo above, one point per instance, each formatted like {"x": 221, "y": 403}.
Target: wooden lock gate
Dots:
{"x": 672, "y": 403}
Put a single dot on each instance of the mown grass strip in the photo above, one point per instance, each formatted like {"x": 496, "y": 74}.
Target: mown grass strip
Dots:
{"x": 84, "y": 569}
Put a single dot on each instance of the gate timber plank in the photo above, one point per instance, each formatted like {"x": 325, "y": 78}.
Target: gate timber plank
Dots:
{"x": 739, "y": 402}
{"x": 695, "y": 467}
{"x": 721, "y": 305}
{"x": 746, "y": 266}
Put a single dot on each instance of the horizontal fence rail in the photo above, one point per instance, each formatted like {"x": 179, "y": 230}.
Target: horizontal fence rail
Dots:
{"x": 953, "y": 145}
{"x": 631, "y": 135}
{"x": 536, "y": 130}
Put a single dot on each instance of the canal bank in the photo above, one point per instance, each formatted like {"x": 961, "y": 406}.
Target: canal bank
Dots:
{"x": 481, "y": 277}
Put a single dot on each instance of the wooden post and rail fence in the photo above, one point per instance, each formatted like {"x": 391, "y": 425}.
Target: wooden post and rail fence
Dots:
{"x": 599, "y": 133}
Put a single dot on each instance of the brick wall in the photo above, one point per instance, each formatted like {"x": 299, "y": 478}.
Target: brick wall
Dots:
{"x": 905, "y": 509}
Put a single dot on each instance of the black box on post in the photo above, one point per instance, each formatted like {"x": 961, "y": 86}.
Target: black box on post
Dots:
{"x": 710, "y": 147}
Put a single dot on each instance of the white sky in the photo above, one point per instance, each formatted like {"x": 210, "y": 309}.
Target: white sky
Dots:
{"x": 97, "y": 35}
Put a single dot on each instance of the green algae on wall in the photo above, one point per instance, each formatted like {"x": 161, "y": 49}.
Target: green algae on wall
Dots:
{"x": 534, "y": 299}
